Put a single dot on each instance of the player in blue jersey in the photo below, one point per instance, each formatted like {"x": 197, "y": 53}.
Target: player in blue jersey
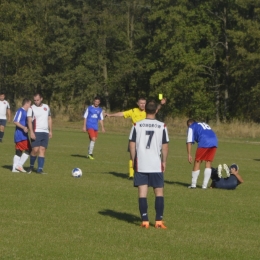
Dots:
{"x": 21, "y": 139}
{"x": 232, "y": 180}
{"x": 92, "y": 116}
{"x": 202, "y": 134}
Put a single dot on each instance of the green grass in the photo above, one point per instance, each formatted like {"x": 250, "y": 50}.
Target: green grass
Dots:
{"x": 56, "y": 216}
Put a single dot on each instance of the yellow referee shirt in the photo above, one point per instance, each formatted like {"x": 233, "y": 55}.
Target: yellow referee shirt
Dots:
{"x": 135, "y": 114}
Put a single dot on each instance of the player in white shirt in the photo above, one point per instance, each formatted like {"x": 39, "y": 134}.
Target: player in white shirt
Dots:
{"x": 149, "y": 149}
{"x": 4, "y": 109}
{"x": 40, "y": 125}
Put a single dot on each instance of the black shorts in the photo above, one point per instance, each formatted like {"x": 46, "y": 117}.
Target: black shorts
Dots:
{"x": 42, "y": 139}
{"x": 3, "y": 122}
{"x": 152, "y": 179}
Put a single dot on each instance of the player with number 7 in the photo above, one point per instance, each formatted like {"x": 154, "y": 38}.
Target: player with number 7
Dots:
{"x": 207, "y": 140}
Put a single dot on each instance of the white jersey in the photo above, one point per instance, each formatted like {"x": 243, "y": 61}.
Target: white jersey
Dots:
{"x": 4, "y": 105}
{"x": 149, "y": 136}
{"x": 40, "y": 116}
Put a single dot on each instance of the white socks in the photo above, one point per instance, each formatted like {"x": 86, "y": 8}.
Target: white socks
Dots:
{"x": 91, "y": 147}
{"x": 16, "y": 159}
{"x": 207, "y": 174}
{"x": 23, "y": 159}
{"x": 195, "y": 175}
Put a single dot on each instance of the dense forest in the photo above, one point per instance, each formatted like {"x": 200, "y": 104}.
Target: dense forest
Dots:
{"x": 204, "y": 56}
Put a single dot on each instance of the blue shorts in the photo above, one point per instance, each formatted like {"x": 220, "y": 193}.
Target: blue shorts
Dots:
{"x": 42, "y": 139}
{"x": 152, "y": 179}
{"x": 3, "y": 122}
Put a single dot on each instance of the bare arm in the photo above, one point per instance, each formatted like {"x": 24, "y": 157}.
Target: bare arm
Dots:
{"x": 24, "y": 128}
{"x": 233, "y": 171}
{"x": 189, "y": 152}
{"x": 29, "y": 120}
{"x": 163, "y": 101}
{"x": 84, "y": 125}
{"x": 102, "y": 125}
{"x": 165, "y": 148}
{"x": 115, "y": 114}
{"x": 50, "y": 126}
{"x": 9, "y": 114}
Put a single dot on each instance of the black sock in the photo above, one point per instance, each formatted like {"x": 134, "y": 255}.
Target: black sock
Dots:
{"x": 159, "y": 207}
{"x": 143, "y": 206}
{"x": 1, "y": 135}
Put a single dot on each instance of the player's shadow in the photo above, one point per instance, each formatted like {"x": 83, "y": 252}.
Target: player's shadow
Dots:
{"x": 258, "y": 160}
{"x": 177, "y": 183}
{"x": 79, "y": 155}
{"x": 129, "y": 218}
{"x": 8, "y": 167}
{"x": 118, "y": 174}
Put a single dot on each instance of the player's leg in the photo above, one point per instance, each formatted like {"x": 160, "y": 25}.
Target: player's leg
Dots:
{"x": 92, "y": 139}
{"x": 156, "y": 181}
{"x": 26, "y": 147}
{"x": 130, "y": 165}
{"x": 2, "y": 129}
{"x": 208, "y": 157}
{"x": 141, "y": 181}
{"x": 16, "y": 159}
{"x": 195, "y": 174}
{"x": 42, "y": 149}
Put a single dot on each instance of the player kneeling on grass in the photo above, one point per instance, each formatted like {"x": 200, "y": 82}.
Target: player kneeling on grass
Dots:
{"x": 21, "y": 138}
{"x": 148, "y": 142}
{"x": 231, "y": 182}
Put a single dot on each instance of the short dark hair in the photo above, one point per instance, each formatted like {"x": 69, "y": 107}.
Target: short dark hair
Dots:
{"x": 151, "y": 107}
{"x": 38, "y": 93}
{"x": 141, "y": 98}
{"x": 97, "y": 98}
{"x": 190, "y": 121}
{"x": 2, "y": 93}
{"x": 25, "y": 100}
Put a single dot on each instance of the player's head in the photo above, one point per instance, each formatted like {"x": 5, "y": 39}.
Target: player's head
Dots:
{"x": 96, "y": 101}
{"x": 37, "y": 98}
{"x": 151, "y": 107}
{"x": 190, "y": 121}
{"x": 141, "y": 103}
{"x": 234, "y": 166}
{"x": 2, "y": 95}
{"x": 26, "y": 103}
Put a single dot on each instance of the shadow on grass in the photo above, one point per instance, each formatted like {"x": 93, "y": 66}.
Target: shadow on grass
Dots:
{"x": 177, "y": 183}
{"x": 118, "y": 174}
{"x": 8, "y": 167}
{"x": 129, "y": 218}
{"x": 79, "y": 155}
{"x": 258, "y": 160}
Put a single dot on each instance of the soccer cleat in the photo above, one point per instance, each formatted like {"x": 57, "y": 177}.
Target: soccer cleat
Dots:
{"x": 219, "y": 171}
{"x": 30, "y": 170}
{"x": 226, "y": 169}
{"x": 14, "y": 170}
{"x": 90, "y": 156}
{"x": 191, "y": 187}
{"x": 204, "y": 188}
{"x": 145, "y": 224}
{"x": 20, "y": 168}
{"x": 159, "y": 224}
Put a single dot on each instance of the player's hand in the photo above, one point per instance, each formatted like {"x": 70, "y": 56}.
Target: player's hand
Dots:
{"x": 163, "y": 101}
{"x": 163, "y": 166}
{"x": 103, "y": 130}
{"x": 25, "y": 129}
{"x": 50, "y": 134}
{"x": 190, "y": 158}
{"x": 84, "y": 129}
{"x": 32, "y": 135}
{"x": 106, "y": 115}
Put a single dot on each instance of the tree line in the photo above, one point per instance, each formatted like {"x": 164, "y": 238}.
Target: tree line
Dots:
{"x": 204, "y": 56}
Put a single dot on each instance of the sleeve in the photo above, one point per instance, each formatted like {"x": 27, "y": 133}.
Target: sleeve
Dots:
{"x": 8, "y": 105}
{"x": 128, "y": 113}
{"x": 49, "y": 111}
{"x": 30, "y": 112}
{"x": 190, "y": 138}
{"x": 165, "y": 138}
{"x": 101, "y": 117}
{"x": 132, "y": 136}
{"x": 86, "y": 113}
{"x": 17, "y": 116}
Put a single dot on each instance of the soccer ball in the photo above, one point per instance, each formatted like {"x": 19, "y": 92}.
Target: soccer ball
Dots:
{"x": 76, "y": 172}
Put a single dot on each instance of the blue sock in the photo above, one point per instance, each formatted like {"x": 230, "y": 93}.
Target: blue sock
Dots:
{"x": 40, "y": 164}
{"x": 32, "y": 160}
{"x": 143, "y": 206}
{"x": 1, "y": 135}
{"x": 159, "y": 207}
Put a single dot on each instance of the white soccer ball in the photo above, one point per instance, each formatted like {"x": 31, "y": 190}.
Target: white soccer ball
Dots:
{"x": 76, "y": 172}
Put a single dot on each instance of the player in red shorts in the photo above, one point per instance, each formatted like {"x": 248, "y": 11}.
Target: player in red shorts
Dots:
{"x": 22, "y": 143}
{"x": 202, "y": 134}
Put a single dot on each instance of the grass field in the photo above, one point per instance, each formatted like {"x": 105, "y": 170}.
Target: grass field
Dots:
{"x": 56, "y": 216}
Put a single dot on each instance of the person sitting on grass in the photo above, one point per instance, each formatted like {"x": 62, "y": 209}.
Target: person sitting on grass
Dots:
{"x": 232, "y": 180}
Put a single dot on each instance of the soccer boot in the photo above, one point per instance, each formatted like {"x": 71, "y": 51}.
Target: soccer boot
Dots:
{"x": 145, "y": 224}
{"x": 20, "y": 168}
{"x": 191, "y": 187}
{"x": 41, "y": 172}
{"x": 219, "y": 171}
{"x": 159, "y": 224}
{"x": 226, "y": 169}
{"x": 90, "y": 156}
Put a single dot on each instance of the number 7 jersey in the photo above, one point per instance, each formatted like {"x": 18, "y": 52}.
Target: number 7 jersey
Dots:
{"x": 149, "y": 136}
